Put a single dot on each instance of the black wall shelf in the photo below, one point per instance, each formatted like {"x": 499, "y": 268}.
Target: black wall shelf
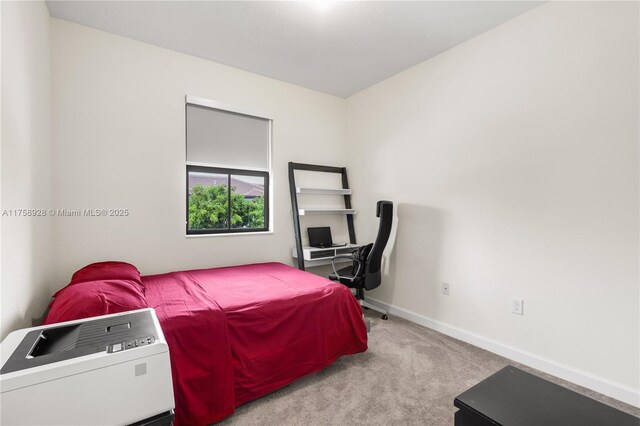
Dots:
{"x": 297, "y": 211}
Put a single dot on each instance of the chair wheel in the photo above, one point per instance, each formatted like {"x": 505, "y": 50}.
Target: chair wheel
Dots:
{"x": 385, "y": 317}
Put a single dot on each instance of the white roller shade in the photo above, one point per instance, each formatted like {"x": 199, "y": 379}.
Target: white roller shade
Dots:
{"x": 227, "y": 139}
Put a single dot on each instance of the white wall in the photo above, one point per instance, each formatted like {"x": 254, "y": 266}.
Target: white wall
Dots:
{"x": 512, "y": 160}
{"x": 26, "y": 167}
{"x": 513, "y": 163}
{"x": 120, "y": 143}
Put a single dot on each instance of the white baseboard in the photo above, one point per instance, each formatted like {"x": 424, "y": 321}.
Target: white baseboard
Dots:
{"x": 614, "y": 390}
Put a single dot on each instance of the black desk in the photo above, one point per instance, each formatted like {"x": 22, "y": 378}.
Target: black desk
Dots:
{"x": 512, "y": 397}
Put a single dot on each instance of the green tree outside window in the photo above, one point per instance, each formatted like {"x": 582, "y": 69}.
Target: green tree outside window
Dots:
{"x": 209, "y": 209}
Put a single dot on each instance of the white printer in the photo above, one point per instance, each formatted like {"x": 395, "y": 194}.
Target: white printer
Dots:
{"x": 107, "y": 370}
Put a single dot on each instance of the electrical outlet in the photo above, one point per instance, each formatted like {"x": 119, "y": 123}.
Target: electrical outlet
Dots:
{"x": 445, "y": 289}
{"x": 517, "y": 306}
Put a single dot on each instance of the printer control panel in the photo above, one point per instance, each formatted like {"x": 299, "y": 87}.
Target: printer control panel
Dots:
{"x": 131, "y": 344}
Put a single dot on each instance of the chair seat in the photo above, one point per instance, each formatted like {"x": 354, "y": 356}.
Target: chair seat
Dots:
{"x": 343, "y": 272}
{"x": 345, "y": 276}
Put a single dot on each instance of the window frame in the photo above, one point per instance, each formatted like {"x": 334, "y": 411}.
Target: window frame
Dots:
{"x": 229, "y": 172}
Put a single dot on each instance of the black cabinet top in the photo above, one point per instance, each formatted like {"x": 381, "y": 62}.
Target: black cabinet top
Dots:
{"x": 512, "y": 397}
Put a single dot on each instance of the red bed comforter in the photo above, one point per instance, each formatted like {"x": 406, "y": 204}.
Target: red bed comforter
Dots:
{"x": 240, "y": 332}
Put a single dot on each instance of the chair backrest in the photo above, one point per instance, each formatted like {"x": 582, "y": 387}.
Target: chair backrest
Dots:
{"x": 361, "y": 255}
{"x": 372, "y": 273}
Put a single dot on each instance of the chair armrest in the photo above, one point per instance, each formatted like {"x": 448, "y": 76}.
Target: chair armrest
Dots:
{"x": 345, "y": 256}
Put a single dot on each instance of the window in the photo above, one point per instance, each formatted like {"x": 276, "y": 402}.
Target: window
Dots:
{"x": 226, "y": 200}
{"x": 228, "y": 169}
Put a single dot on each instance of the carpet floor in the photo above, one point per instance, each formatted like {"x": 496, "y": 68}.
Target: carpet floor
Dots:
{"x": 410, "y": 375}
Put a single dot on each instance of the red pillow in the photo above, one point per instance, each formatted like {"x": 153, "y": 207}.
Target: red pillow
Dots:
{"x": 108, "y": 271}
{"x": 94, "y": 298}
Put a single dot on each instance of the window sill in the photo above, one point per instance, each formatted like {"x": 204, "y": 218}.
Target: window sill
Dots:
{"x": 230, "y": 234}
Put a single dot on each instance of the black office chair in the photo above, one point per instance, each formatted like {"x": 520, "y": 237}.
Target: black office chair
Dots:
{"x": 365, "y": 272}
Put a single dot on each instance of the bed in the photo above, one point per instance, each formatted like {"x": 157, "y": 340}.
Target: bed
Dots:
{"x": 234, "y": 333}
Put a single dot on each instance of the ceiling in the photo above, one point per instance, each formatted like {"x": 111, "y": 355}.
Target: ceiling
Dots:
{"x": 334, "y": 47}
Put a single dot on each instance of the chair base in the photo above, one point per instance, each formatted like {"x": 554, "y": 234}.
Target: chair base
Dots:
{"x": 368, "y": 305}
{"x": 359, "y": 295}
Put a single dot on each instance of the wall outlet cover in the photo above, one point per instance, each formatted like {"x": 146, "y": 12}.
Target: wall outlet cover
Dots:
{"x": 517, "y": 306}
{"x": 445, "y": 289}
